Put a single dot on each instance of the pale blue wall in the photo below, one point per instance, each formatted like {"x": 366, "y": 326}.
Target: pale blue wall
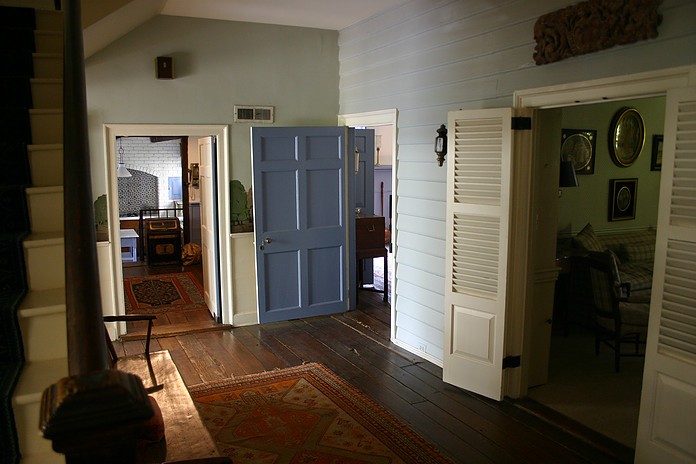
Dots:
{"x": 429, "y": 57}
{"x": 217, "y": 64}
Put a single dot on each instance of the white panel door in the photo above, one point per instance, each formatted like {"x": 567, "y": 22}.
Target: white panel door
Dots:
{"x": 479, "y": 159}
{"x": 208, "y": 242}
{"x": 667, "y": 421}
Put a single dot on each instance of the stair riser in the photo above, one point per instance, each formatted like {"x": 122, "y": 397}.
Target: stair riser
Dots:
{"x": 48, "y": 65}
{"x": 46, "y": 211}
{"x": 27, "y": 420}
{"x": 45, "y": 267}
{"x": 48, "y": 42}
{"x": 46, "y": 126}
{"x": 48, "y": 336}
{"x": 46, "y": 166}
{"x": 47, "y": 94}
{"x": 49, "y": 20}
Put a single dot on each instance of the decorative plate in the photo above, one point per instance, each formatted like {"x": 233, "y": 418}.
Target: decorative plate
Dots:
{"x": 626, "y": 137}
{"x": 578, "y": 147}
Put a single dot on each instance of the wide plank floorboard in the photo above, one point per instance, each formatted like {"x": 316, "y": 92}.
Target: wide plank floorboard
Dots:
{"x": 466, "y": 427}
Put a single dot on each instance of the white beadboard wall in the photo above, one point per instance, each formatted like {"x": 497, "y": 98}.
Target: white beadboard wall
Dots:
{"x": 428, "y": 57}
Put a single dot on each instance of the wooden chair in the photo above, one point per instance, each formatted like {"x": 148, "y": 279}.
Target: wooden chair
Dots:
{"x": 617, "y": 320}
{"x": 112, "y": 351}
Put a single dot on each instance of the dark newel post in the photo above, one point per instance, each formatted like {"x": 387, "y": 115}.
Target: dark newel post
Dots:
{"x": 95, "y": 414}
{"x": 85, "y": 325}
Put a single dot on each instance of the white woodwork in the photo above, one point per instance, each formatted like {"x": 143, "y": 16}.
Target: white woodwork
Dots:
{"x": 209, "y": 258}
{"x": 221, "y": 132}
{"x": 46, "y": 163}
{"x": 51, "y": 123}
{"x": 478, "y": 220}
{"x": 668, "y": 402}
{"x": 45, "y": 205}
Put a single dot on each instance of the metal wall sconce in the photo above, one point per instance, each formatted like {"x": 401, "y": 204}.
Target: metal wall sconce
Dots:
{"x": 441, "y": 144}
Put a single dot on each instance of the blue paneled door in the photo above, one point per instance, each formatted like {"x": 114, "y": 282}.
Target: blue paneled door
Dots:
{"x": 303, "y": 211}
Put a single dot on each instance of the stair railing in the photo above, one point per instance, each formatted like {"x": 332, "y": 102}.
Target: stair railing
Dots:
{"x": 96, "y": 413}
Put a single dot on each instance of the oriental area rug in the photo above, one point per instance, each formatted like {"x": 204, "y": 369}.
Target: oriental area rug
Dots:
{"x": 165, "y": 292}
{"x": 304, "y": 414}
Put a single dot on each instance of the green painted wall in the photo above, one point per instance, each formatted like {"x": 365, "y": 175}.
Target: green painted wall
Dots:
{"x": 590, "y": 201}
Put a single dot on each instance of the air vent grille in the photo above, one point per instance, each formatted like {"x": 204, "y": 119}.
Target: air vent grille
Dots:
{"x": 253, "y": 114}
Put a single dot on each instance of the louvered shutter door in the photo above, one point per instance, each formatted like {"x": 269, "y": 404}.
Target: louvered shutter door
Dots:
{"x": 668, "y": 403}
{"x": 478, "y": 209}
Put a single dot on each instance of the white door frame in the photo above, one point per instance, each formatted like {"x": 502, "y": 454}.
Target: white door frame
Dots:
{"x": 220, "y": 131}
{"x": 383, "y": 118}
{"x": 647, "y": 84}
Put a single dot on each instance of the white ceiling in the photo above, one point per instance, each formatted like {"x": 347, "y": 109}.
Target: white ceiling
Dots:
{"x": 321, "y": 14}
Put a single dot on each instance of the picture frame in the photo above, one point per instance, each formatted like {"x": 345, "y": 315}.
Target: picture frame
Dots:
{"x": 622, "y": 199}
{"x": 656, "y": 159}
{"x": 578, "y": 146}
{"x": 626, "y": 137}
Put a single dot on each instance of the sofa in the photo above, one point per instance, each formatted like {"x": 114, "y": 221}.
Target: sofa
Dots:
{"x": 633, "y": 252}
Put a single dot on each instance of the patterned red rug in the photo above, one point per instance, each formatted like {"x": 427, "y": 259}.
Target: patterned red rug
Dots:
{"x": 304, "y": 414}
{"x": 160, "y": 293}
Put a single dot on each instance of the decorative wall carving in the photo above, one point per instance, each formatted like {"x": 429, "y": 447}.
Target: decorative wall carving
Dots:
{"x": 592, "y": 26}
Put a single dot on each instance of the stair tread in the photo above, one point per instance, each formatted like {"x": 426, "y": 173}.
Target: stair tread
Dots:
{"x": 38, "y": 302}
{"x": 44, "y": 189}
{"x": 171, "y": 330}
{"x": 45, "y": 146}
{"x": 36, "y": 377}
{"x": 43, "y": 238}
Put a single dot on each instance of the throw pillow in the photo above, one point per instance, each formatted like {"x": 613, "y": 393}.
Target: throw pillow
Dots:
{"x": 587, "y": 239}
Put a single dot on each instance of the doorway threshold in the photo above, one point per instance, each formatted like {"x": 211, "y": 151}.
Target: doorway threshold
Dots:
{"x": 172, "y": 330}
{"x": 603, "y": 444}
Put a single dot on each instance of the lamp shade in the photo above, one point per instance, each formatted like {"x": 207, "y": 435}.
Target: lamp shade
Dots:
{"x": 121, "y": 171}
{"x": 567, "y": 177}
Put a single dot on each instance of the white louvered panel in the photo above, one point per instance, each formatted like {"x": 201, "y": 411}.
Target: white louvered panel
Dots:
{"x": 477, "y": 161}
{"x": 678, "y": 317}
{"x": 683, "y": 204}
{"x": 475, "y": 258}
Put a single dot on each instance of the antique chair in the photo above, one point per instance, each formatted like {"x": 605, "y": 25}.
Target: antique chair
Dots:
{"x": 618, "y": 320}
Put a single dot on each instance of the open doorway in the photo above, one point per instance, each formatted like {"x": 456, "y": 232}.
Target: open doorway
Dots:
{"x": 213, "y": 179}
{"x": 158, "y": 185}
{"x": 384, "y": 123}
{"x": 580, "y": 384}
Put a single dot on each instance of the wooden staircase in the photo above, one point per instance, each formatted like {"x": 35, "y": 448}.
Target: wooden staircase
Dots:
{"x": 41, "y": 314}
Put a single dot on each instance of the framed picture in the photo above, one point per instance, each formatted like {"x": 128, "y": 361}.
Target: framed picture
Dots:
{"x": 622, "y": 199}
{"x": 656, "y": 160}
{"x": 578, "y": 147}
{"x": 626, "y": 137}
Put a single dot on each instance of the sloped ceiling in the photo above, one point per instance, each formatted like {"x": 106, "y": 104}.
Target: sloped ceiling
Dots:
{"x": 107, "y": 20}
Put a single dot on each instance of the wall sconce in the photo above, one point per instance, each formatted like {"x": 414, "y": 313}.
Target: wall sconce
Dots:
{"x": 121, "y": 170}
{"x": 441, "y": 144}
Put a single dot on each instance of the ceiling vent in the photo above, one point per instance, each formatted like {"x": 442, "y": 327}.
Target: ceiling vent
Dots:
{"x": 253, "y": 114}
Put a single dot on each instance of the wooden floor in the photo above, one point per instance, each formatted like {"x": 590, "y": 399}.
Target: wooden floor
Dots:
{"x": 356, "y": 346}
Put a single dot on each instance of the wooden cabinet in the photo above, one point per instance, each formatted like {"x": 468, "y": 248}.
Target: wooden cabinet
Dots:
{"x": 369, "y": 233}
{"x": 369, "y": 243}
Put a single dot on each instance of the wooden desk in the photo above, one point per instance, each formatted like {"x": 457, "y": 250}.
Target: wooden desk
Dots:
{"x": 369, "y": 243}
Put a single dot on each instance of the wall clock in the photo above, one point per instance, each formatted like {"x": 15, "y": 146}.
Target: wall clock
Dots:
{"x": 578, "y": 147}
{"x": 626, "y": 137}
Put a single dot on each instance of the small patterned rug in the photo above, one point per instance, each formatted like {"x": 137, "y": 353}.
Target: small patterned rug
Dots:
{"x": 304, "y": 414}
{"x": 160, "y": 293}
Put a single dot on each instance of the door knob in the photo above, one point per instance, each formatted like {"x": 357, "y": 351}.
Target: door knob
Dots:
{"x": 268, "y": 240}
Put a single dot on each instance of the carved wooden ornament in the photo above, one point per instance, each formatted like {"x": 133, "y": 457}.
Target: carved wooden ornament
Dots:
{"x": 592, "y": 26}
